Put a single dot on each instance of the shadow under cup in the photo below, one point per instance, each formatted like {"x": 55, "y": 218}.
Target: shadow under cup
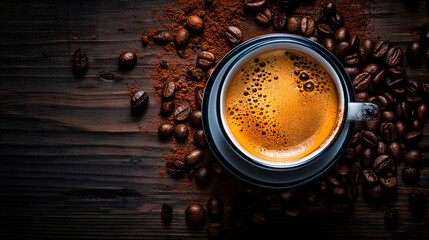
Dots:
{"x": 238, "y": 65}
{"x": 256, "y": 170}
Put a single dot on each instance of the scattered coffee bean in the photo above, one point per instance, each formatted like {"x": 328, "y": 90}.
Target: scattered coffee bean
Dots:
{"x": 264, "y": 16}
{"x": 388, "y": 132}
{"x": 414, "y": 87}
{"x": 417, "y": 125}
{"x": 366, "y": 50}
{"x": 166, "y": 212}
{"x": 313, "y": 195}
{"x": 329, "y": 9}
{"x": 342, "y": 169}
{"x": 182, "y": 37}
{"x": 369, "y": 176}
{"x": 329, "y": 43}
{"x": 79, "y": 62}
{"x": 215, "y": 231}
{"x": 381, "y": 148}
{"x": 166, "y": 130}
{"x": 199, "y": 97}
{"x": 352, "y": 192}
{"x": 354, "y": 42}
{"x": 196, "y": 74}
{"x": 342, "y": 35}
{"x": 422, "y": 112}
{"x": 374, "y": 192}
{"x": 259, "y": 218}
{"x": 337, "y": 20}
{"x": 307, "y": 25}
{"x": 182, "y": 113}
{"x": 410, "y": 175}
{"x": 396, "y": 150}
{"x": 339, "y": 191}
{"x": 233, "y": 34}
{"x": 292, "y": 211}
{"x": 372, "y": 68}
{"x": 325, "y": 30}
{"x": 349, "y": 154}
{"x": 254, "y": 4}
{"x": 333, "y": 181}
{"x": 356, "y": 138}
{"x": 287, "y": 5}
{"x": 168, "y": 89}
{"x": 163, "y": 37}
{"x": 139, "y": 101}
{"x": 396, "y": 72}
{"x": 314, "y": 38}
{"x": 196, "y": 214}
{"x": 215, "y": 208}
{"x": 389, "y": 183}
{"x": 176, "y": 168}
{"x": 167, "y": 108}
{"x": 342, "y": 49}
{"x": 413, "y": 157}
{"x": 382, "y": 164}
{"x": 351, "y": 71}
{"x": 367, "y": 155}
{"x": 388, "y": 116}
{"x": 288, "y": 194}
{"x": 393, "y": 57}
{"x": 403, "y": 110}
{"x": 127, "y": 60}
{"x": 362, "y": 81}
{"x": 195, "y": 118}
{"x": 391, "y": 217}
{"x": 356, "y": 176}
{"x": 374, "y": 124}
{"x": 194, "y": 157}
{"x": 380, "y": 49}
{"x": 413, "y": 136}
{"x": 181, "y": 131}
{"x": 279, "y": 20}
{"x": 417, "y": 202}
{"x": 293, "y": 24}
{"x": 340, "y": 207}
{"x": 200, "y": 139}
{"x": 414, "y": 53}
{"x": 205, "y": 59}
{"x": 202, "y": 176}
{"x": 369, "y": 139}
{"x": 195, "y": 23}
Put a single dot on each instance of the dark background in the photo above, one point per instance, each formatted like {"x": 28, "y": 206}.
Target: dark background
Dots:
{"x": 59, "y": 133}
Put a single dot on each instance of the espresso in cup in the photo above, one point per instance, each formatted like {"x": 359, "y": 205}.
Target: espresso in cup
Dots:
{"x": 282, "y": 105}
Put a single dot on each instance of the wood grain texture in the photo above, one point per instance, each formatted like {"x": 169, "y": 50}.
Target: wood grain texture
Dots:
{"x": 60, "y": 134}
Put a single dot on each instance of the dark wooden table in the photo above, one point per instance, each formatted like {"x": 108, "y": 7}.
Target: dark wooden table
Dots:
{"x": 69, "y": 146}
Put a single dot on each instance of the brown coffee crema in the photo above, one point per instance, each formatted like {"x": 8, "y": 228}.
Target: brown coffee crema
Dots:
{"x": 282, "y": 105}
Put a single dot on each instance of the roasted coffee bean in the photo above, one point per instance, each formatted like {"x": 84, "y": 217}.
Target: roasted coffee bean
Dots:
{"x": 181, "y": 131}
{"x": 202, "y": 176}
{"x": 195, "y": 23}
{"x": 337, "y": 20}
{"x": 182, "y": 37}
{"x": 233, "y": 34}
{"x": 176, "y": 168}
{"x": 329, "y": 9}
{"x": 196, "y": 74}
{"x": 325, "y": 30}
{"x": 362, "y": 81}
{"x": 354, "y": 42}
{"x": 339, "y": 191}
{"x": 313, "y": 195}
{"x": 194, "y": 157}
{"x": 391, "y": 217}
{"x": 380, "y": 49}
{"x": 413, "y": 158}
{"x": 414, "y": 87}
{"x": 163, "y": 37}
{"x": 388, "y": 116}
{"x": 414, "y": 52}
{"x": 388, "y": 132}
{"x": 139, "y": 101}
{"x": 167, "y": 108}
{"x": 352, "y": 59}
{"x": 205, "y": 59}
{"x": 215, "y": 208}
{"x": 127, "y": 60}
{"x": 195, "y": 118}
{"x": 393, "y": 57}
{"x": 417, "y": 202}
{"x": 109, "y": 77}
{"x": 264, "y": 16}
{"x": 396, "y": 72}
{"x": 216, "y": 168}
{"x": 368, "y": 46}
{"x": 352, "y": 192}
{"x": 351, "y": 71}
{"x": 314, "y": 39}
{"x": 307, "y": 25}
{"x": 395, "y": 82}
{"x": 254, "y": 4}
{"x": 369, "y": 139}
{"x": 279, "y": 20}
{"x": 356, "y": 138}
{"x": 168, "y": 89}
{"x": 166, "y": 212}
{"x": 342, "y": 35}
{"x": 196, "y": 214}
{"x": 79, "y": 62}
{"x": 342, "y": 169}
{"x": 391, "y": 99}
{"x": 349, "y": 154}
{"x": 372, "y": 68}
{"x": 259, "y": 218}
{"x": 367, "y": 156}
{"x": 200, "y": 139}
{"x": 382, "y": 164}
{"x": 166, "y": 130}
{"x": 182, "y": 113}
{"x": 333, "y": 181}
{"x": 199, "y": 97}
{"x": 292, "y": 211}
{"x": 403, "y": 110}
{"x": 293, "y": 24}
{"x": 323, "y": 185}
{"x": 413, "y": 136}
{"x": 396, "y": 150}
{"x": 287, "y": 5}
{"x": 362, "y": 97}
{"x": 381, "y": 148}
{"x": 342, "y": 49}
{"x": 356, "y": 176}
{"x": 288, "y": 194}
{"x": 340, "y": 207}
{"x": 215, "y": 231}
{"x": 329, "y": 43}
{"x": 417, "y": 125}
{"x": 210, "y": 71}
{"x": 422, "y": 112}
{"x": 374, "y": 124}
{"x": 410, "y": 175}
{"x": 389, "y": 183}
{"x": 374, "y": 192}
{"x": 369, "y": 176}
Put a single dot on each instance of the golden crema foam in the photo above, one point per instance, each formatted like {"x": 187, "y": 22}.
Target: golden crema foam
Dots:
{"x": 281, "y": 105}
